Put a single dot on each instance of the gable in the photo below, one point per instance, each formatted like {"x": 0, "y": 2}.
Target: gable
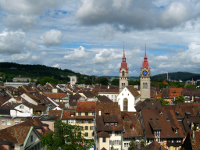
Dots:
{"x": 32, "y": 138}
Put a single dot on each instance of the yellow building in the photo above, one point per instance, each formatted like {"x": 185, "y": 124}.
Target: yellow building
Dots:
{"x": 85, "y": 112}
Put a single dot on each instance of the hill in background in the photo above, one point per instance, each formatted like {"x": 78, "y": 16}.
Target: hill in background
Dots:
{"x": 184, "y": 76}
{"x": 10, "y": 70}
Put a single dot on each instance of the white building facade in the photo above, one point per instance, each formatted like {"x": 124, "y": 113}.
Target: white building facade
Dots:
{"x": 128, "y": 98}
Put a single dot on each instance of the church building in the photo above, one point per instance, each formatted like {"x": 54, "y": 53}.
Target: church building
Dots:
{"x": 145, "y": 82}
{"x": 128, "y": 95}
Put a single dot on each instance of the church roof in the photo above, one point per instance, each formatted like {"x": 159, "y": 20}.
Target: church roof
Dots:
{"x": 123, "y": 63}
{"x": 145, "y": 62}
{"x": 133, "y": 90}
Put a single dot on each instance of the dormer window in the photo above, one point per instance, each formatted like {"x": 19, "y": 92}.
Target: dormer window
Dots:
{"x": 133, "y": 128}
{"x": 157, "y": 133}
{"x": 106, "y": 124}
{"x": 126, "y": 118}
{"x": 22, "y": 107}
{"x": 111, "y": 124}
{"x": 176, "y": 131}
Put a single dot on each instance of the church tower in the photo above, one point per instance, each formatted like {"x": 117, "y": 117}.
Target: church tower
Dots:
{"x": 123, "y": 74}
{"x": 145, "y": 82}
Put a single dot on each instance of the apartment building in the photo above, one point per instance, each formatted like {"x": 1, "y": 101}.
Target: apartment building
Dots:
{"x": 85, "y": 112}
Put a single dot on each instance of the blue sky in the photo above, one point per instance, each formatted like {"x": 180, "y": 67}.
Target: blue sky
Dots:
{"x": 87, "y": 36}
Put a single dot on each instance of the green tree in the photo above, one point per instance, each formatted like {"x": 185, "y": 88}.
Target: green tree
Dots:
{"x": 163, "y": 102}
{"x": 132, "y": 146}
{"x": 44, "y": 80}
{"x": 179, "y": 99}
{"x": 136, "y": 82}
{"x": 102, "y": 80}
{"x": 115, "y": 82}
{"x": 191, "y": 86}
{"x": 67, "y": 137}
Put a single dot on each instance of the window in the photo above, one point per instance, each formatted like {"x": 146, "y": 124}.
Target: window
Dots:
{"x": 78, "y": 121}
{"x": 115, "y": 124}
{"x": 31, "y": 138}
{"x": 117, "y": 133}
{"x": 22, "y": 107}
{"x": 91, "y": 127}
{"x": 86, "y": 113}
{"x": 16, "y": 122}
{"x": 3, "y": 122}
{"x": 111, "y": 124}
{"x": 126, "y": 144}
{"x": 172, "y": 141}
{"x": 106, "y": 124}
{"x": 79, "y": 114}
{"x": 178, "y": 141}
{"x": 8, "y": 123}
{"x": 176, "y": 131}
{"x": 93, "y": 114}
{"x": 161, "y": 140}
{"x": 86, "y": 134}
{"x": 86, "y": 121}
{"x": 133, "y": 128}
{"x": 157, "y": 133}
{"x": 122, "y": 73}
{"x": 126, "y": 118}
{"x": 125, "y": 104}
{"x": 104, "y": 139}
{"x": 86, "y": 127}
{"x": 117, "y": 142}
{"x": 144, "y": 85}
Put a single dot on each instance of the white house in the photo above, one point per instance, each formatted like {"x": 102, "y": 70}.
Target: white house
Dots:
{"x": 128, "y": 98}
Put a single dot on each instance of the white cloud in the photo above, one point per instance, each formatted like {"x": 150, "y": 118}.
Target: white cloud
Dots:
{"x": 15, "y": 22}
{"x": 51, "y": 37}
{"x": 160, "y": 57}
{"x": 106, "y": 55}
{"x": 106, "y": 72}
{"x": 44, "y": 53}
{"x": 95, "y": 71}
{"x": 28, "y": 7}
{"x": 77, "y": 54}
{"x": 133, "y": 73}
{"x": 174, "y": 14}
{"x": 15, "y": 42}
{"x": 56, "y": 65}
{"x": 21, "y": 57}
{"x": 127, "y": 15}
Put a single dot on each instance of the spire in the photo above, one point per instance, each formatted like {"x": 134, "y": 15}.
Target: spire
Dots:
{"x": 145, "y": 63}
{"x": 123, "y": 63}
{"x": 123, "y": 52}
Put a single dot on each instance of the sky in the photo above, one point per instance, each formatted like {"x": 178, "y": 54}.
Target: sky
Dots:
{"x": 87, "y": 36}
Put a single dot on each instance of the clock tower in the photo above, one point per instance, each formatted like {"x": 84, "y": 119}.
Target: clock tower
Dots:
{"x": 123, "y": 74}
{"x": 145, "y": 81}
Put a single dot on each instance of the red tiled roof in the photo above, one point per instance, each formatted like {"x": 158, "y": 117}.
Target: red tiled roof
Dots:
{"x": 85, "y": 106}
{"x": 67, "y": 115}
{"x": 55, "y": 95}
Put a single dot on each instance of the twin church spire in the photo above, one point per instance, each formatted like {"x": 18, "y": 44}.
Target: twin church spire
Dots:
{"x": 144, "y": 76}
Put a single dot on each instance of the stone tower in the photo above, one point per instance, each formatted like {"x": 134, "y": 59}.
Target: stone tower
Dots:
{"x": 123, "y": 74}
{"x": 145, "y": 81}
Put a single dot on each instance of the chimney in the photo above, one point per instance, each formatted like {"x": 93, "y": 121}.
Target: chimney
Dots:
{"x": 99, "y": 113}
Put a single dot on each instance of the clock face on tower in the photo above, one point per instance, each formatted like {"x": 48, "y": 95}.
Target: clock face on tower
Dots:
{"x": 145, "y": 73}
